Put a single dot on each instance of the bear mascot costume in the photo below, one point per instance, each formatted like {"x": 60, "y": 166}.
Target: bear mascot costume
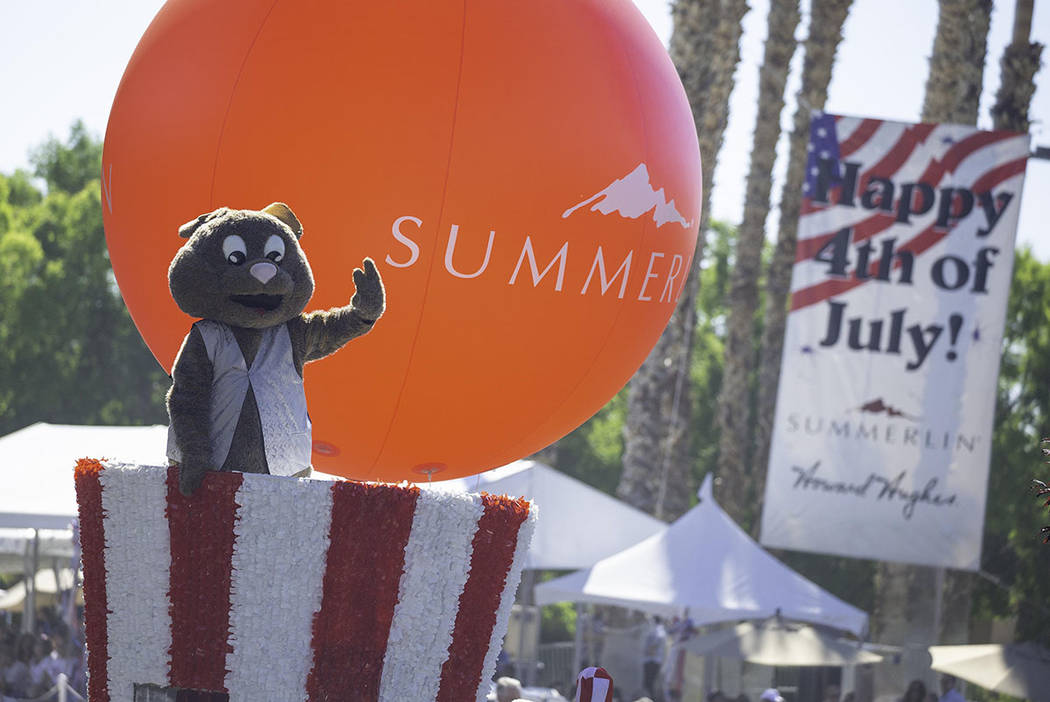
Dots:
{"x": 237, "y": 400}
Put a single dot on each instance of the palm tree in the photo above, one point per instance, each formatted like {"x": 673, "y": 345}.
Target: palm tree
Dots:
{"x": 953, "y": 88}
{"x": 705, "y": 47}
{"x": 1017, "y": 67}
{"x": 734, "y": 410}
{"x": 827, "y": 18}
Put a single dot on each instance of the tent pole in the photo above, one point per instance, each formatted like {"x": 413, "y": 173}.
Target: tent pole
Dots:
{"x": 528, "y": 578}
{"x": 58, "y": 584}
{"x": 848, "y": 682}
{"x": 29, "y": 609}
{"x": 709, "y": 674}
{"x": 577, "y": 652}
{"x": 27, "y": 566}
{"x": 938, "y": 604}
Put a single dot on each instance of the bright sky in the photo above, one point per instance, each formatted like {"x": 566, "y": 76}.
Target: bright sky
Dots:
{"x": 63, "y": 60}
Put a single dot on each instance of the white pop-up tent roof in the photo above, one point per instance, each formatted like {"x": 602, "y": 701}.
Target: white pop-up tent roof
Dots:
{"x": 578, "y": 524}
{"x": 36, "y": 467}
{"x": 705, "y": 563}
{"x": 18, "y": 545}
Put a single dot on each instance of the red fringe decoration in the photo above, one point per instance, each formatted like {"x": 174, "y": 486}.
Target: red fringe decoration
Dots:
{"x": 370, "y": 524}
{"x": 201, "y": 530}
{"x": 92, "y": 546}
{"x": 493, "y": 552}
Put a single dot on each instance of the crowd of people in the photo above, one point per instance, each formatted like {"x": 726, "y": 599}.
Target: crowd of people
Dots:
{"x": 509, "y": 689}
{"x": 31, "y": 663}
{"x": 917, "y": 691}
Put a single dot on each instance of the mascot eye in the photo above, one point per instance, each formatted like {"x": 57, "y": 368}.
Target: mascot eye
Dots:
{"x": 275, "y": 248}
{"x": 234, "y": 250}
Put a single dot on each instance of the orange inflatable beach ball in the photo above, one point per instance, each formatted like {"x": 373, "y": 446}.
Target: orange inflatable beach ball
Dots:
{"x": 525, "y": 174}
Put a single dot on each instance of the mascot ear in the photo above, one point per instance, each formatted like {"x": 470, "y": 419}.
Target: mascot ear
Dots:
{"x": 186, "y": 230}
{"x": 284, "y": 213}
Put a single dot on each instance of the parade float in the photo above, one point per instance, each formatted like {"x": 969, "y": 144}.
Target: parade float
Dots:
{"x": 525, "y": 177}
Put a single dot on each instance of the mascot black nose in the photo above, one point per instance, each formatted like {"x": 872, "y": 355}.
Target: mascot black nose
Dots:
{"x": 263, "y": 271}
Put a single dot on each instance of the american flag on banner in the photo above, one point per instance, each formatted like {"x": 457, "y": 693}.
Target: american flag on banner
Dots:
{"x": 882, "y": 430}
{"x": 823, "y": 146}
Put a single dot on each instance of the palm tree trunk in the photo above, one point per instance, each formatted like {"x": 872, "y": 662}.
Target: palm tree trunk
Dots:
{"x": 953, "y": 88}
{"x": 734, "y": 405}
{"x": 705, "y": 47}
{"x": 1017, "y": 68}
{"x": 953, "y": 92}
{"x": 827, "y": 18}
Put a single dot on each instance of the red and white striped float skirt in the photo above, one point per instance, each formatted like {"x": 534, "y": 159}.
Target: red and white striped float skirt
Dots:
{"x": 267, "y": 588}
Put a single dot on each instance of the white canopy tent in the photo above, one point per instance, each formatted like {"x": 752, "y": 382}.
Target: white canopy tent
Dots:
{"x": 776, "y": 642}
{"x": 37, "y": 491}
{"x": 36, "y": 467}
{"x": 47, "y": 587}
{"x": 705, "y": 563}
{"x": 578, "y": 525}
{"x": 1018, "y": 669}
{"x": 17, "y": 545}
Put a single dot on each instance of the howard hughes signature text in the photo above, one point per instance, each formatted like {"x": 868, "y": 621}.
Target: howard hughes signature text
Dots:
{"x": 875, "y": 487}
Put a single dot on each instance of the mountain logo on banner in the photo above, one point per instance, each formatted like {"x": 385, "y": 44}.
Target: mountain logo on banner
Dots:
{"x": 877, "y": 406}
{"x": 631, "y": 197}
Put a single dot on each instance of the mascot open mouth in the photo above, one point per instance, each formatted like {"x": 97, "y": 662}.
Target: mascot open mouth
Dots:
{"x": 259, "y": 302}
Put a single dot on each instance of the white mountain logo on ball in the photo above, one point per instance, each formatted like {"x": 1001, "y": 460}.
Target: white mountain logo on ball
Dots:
{"x": 633, "y": 196}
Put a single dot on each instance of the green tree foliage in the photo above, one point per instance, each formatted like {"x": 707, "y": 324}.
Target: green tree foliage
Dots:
{"x": 708, "y": 354}
{"x": 558, "y": 622}
{"x": 70, "y": 166}
{"x": 1015, "y": 561}
{"x": 68, "y": 350}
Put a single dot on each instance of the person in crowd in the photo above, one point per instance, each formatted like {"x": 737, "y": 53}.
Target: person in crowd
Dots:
{"x": 771, "y": 695}
{"x": 508, "y": 689}
{"x": 40, "y": 680}
{"x": 504, "y": 665}
{"x": 948, "y": 691}
{"x": 716, "y": 696}
{"x": 681, "y": 630}
{"x": 31, "y": 663}
{"x": 62, "y": 657}
{"x": 931, "y": 696}
{"x": 832, "y": 693}
{"x": 653, "y": 654}
{"x": 24, "y": 648}
{"x": 593, "y": 638}
{"x": 850, "y": 696}
{"x": 78, "y": 670}
{"x": 14, "y": 674}
{"x": 916, "y": 692}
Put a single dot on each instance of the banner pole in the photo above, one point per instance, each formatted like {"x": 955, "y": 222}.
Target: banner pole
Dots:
{"x": 938, "y": 605}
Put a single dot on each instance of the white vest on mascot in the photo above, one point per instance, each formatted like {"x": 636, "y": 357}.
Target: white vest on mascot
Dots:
{"x": 279, "y": 394}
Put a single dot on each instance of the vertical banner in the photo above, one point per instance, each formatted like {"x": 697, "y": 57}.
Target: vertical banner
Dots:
{"x": 882, "y": 432}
